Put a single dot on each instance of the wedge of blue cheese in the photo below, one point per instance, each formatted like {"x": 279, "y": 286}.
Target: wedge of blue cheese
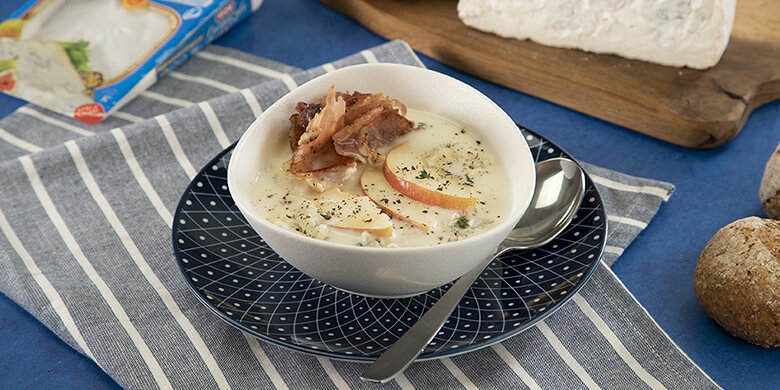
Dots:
{"x": 44, "y": 74}
{"x": 692, "y": 33}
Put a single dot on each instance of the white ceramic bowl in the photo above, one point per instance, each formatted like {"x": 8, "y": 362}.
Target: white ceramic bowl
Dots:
{"x": 387, "y": 272}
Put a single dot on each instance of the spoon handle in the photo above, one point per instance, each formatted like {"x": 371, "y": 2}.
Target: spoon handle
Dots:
{"x": 403, "y": 352}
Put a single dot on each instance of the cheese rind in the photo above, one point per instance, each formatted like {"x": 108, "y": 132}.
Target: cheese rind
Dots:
{"x": 691, "y": 33}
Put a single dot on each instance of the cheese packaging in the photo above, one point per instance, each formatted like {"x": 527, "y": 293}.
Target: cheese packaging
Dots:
{"x": 675, "y": 33}
{"x": 87, "y": 58}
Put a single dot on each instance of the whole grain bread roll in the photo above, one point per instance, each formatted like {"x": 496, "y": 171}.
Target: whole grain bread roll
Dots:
{"x": 769, "y": 193}
{"x": 737, "y": 280}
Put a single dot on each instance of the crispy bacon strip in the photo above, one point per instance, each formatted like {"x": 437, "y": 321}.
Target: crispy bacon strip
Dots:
{"x": 360, "y": 103}
{"x": 318, "y": 133}
{"x": 300, "y": 121}
{"x": 371, "y": 121}
{"x": 376, "y": 128}
{"x": 328, "y": 139}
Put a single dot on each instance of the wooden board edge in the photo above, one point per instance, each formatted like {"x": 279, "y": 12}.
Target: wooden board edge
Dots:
{"x": 692, "y": 134}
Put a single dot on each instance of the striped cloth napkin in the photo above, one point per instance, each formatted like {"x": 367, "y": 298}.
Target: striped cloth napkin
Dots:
{"x": 85, "y": 221}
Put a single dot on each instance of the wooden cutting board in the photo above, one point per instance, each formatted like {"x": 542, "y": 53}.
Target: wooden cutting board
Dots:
{"x": 693, "y": 108}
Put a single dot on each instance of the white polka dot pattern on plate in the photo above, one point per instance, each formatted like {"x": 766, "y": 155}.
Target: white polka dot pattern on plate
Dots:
{"x": 234, "y": 272}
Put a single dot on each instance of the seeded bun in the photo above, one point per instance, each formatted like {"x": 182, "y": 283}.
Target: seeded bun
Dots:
{"x": 737, "y": 280}
{"x": 769, "y": 193}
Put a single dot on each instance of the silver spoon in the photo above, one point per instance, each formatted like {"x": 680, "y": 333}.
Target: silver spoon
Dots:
{"x": 560, "y": 186}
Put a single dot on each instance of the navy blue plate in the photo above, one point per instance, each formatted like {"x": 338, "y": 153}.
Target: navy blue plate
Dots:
{"x": 236, "y": 275}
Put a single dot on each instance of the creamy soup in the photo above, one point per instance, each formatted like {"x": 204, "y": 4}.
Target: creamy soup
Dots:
{"x": 455, "y": 189}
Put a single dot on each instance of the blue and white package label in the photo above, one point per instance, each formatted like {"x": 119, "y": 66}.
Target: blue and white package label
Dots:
{"x": 87, "y": 58}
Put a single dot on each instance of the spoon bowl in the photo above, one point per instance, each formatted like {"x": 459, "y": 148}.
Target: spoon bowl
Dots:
{"x": 560, "y": 186}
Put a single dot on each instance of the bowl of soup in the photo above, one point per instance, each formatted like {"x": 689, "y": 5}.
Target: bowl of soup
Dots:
{"x": 383, "y": 180}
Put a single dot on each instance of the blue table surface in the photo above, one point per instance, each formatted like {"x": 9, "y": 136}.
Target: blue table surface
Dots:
{"x": 714, "y": 188}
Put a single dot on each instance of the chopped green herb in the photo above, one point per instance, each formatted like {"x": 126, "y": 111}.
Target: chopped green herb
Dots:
{"x": 421, "y": 124}
{"x": 384, "y": 200}
{"x": 447, "y": 173}
{"x": 326, "y": 215}
{"x": 359, "y": 244}
{"x": 463, "y": 222}
{"x": 424, "y": 175}
{"x": 468, "y": 179}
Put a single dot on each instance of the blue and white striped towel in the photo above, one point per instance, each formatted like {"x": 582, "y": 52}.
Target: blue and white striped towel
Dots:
{"x": 85, "y": 219}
